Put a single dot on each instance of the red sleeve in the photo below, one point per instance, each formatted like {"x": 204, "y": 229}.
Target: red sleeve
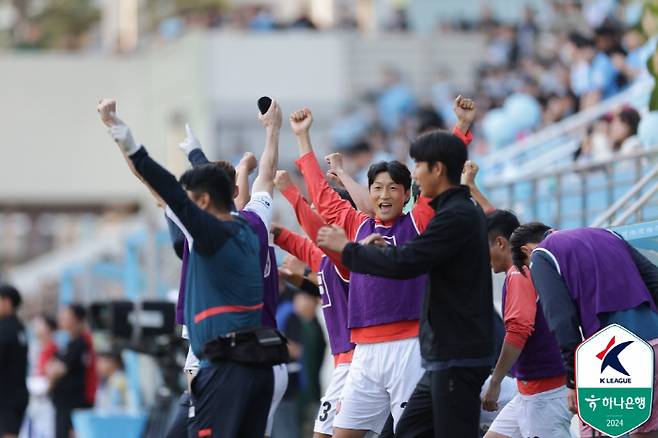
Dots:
{"x": 300, "y": 247}
{"x": 422, "y": 213}
{"x": 520, "y": 308}
{"x": 331, "y": 207}
{"x": 467, "y": 137}
{"x": 311, "y": 222}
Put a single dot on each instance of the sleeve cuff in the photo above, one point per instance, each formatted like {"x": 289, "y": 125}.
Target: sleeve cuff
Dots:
{"x": 304, "y": 158}
{"x": 348, "y": 254}
{"x": 516, "y": 340}
{"x": 467, "y": 137}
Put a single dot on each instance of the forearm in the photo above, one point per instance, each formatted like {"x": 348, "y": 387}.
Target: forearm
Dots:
{"x": 269, "y": 162}
{"x": 308, "y": 219}
{"x": 300, "y": 247}
{"x": 359, "y": 193}
{"x": 388, "y": 262}
{"x": 242, "y": 181}
{"x": 484, "y": 203}
{"x": 197, "y": 157}
{"x": 304, "y": 144}
{"x": 158, "y": 199}
{"x": 508, "y": 357}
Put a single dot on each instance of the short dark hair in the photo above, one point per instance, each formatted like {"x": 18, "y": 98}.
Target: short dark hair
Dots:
{"x": 212, "y": 179}
{"x": 78, "y": 311}
{"x": 441, "y": 146}
{"x": 502, "y": 223}
{"x": 11, "y": 293}
{"x": 631, "y": 118}
{"x": 49, "y": 321}
{"x": 532, "y": 232}
{"x": 228, "y": 168}
{"x": 399, "y": 173}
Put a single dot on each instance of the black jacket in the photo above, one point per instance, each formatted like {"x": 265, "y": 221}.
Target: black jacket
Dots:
{"x": 456, "y": 320}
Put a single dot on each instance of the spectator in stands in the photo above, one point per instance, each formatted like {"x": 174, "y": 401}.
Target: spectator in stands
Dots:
{"x": 72, "y": 373}
{"x": 593, "y": 75}
{"x": 304, "y": 21}
{"x": 623, "y": 131}
{"x": 44, "y": 329}
{"x": 262, "y": 19}
{"x": 13, "y": 363}
{"x": 396, "y": 101}
{"x": 399, "y": 21}
{"x": 113, "y": 395}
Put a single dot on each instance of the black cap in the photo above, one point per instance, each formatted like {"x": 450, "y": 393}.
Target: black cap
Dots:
{"x": 9, "y": 291}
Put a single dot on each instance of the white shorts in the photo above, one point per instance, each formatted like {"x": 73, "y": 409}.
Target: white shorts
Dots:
{"x": 380, "y": 381}
{"x": 280, "y": 386}
{"x": 508, "y": 391}
{"x": 544, "y": 415}
{"x": 324, "y": 422}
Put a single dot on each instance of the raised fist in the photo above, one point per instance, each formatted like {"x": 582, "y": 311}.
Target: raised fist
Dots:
{"x": 464, "y": 109}
{"x": 272, "y": 118}
{"x": 300, "y": 121}
{"x": 282, "y": 180}
{"x": 107, "y": 109}
{"x": 248, "y": 162}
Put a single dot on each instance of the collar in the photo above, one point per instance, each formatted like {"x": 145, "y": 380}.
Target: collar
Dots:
{"x": 443, "y": 198}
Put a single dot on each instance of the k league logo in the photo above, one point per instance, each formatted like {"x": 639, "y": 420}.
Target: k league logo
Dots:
{"x": 614, "y": 380}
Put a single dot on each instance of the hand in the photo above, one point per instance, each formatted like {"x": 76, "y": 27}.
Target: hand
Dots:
{"x": 374, "y": 239}
{"x": 465, "y": 111}
{"x": 572, "y": 402}
{"x": 107, "y": 109}
{"x": 294, "y": 265}
{"x": 469, "y": 172}
{"x": 332, "y": 238}
{"x": 272, "y": 118}
{"x": 300, "y": 121}
{"x": 490, "y": 399}
{"x": 335, "y": 162}
{"x": 191, "y": 142}
{"x": 282, "y": 180}
{"x": 334, "y": 181}
{"x": 290, "y": 277}
{"x": 275, "y": 229}
{"x": 248, "y": 163}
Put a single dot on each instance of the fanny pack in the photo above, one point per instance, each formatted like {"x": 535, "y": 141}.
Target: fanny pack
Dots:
{"x": 261, "y": 347}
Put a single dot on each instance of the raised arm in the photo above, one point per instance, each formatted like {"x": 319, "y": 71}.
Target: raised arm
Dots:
{"x": 310, "y": 221}
{"x": 269, "y": 160}
{"x": 468, "y": 178}
{"x": 245, "y": 167}
{"x": 207, "y": 231}
{"x": 107, "y": 110}
{"x": 359, "y": 193}
{"x": 331, "y": 207}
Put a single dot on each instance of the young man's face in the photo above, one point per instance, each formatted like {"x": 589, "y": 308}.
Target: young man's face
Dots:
{"x": 6, "y": 307}
{"x": 387, "y": 197}
{"x": 427, "y": 179}
{"x": 499, "y": 253}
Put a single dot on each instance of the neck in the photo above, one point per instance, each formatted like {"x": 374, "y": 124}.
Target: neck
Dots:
{"x": 444, "y": 186}
{"x": 221, "y": 215}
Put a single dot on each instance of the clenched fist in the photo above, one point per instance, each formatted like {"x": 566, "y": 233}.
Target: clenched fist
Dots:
{"x": 300, "y": 121}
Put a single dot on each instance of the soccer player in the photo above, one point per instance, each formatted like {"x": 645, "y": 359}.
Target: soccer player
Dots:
{"x": 333, "y": 283}
{"x": 529, "y": 351}
{"x": 13, "y": 363}
{"x": 457, "y": 315}
{"x": 256, "y": 209}
{"x": 578, "y": 275}
{"x": 382, "y": 313}
{"x": 224, "y": 291}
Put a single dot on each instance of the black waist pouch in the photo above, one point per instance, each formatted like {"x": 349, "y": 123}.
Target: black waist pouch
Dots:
{"x": 259, "y": 347}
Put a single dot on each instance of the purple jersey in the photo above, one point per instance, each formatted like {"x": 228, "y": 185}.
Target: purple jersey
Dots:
{"x": 599, "y": 272}
{"x": 377, "y": 300}
{"x": 268, "y": 268}
{"x": 334, "y": 294}
{"x": 540, "y": 357}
